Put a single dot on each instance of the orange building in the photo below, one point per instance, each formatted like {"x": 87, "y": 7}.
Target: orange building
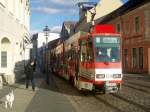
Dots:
{"x": 132, "y": 20}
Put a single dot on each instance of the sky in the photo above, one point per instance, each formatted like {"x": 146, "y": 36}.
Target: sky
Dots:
{"x": 53, "y": 13}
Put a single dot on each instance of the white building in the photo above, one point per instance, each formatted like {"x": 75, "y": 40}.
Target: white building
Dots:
{"x": 42, "y": 38}
{"x": 14, "y": 35}
{"x": 40, "y": 44}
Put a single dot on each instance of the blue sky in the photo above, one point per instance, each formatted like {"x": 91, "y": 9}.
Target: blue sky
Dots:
{"x": 53, "y": 13}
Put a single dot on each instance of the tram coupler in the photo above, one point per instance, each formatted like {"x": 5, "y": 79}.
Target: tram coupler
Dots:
{"x": 110, "y": 87}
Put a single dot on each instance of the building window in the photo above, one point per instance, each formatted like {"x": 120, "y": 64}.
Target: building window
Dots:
{"x": 118, "y": 28}
{"x": 137, "y": 24}
{"x": 126, "y": 58}
{"x": 127, "y": 26}
{"x": 141, "y": 57}
{"x": 134, "y": 58}
{"x": 4, "y": 59}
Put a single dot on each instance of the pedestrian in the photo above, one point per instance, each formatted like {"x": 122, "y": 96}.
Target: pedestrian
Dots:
{"x": 29, "y": 71}
{"x": 34, "y": 65}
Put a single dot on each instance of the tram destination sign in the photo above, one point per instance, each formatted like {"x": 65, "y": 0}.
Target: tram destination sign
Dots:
{"x": 107, "y": 40}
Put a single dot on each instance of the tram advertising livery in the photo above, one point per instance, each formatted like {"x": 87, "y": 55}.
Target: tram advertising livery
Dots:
{"x": 90, "y": 61}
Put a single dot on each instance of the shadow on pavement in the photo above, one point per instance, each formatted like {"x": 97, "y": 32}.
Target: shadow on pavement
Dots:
{"x": 49, "y": 98}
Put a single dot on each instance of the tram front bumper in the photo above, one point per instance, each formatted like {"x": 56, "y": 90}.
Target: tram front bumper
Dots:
{"x": 110, "y": 87}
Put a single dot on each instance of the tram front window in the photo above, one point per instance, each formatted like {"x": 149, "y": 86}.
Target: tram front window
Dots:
{"x": 107, "y": 49}
{"x": 107, "y": 54}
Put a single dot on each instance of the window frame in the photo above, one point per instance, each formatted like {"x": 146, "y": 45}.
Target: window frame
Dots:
{"x": 134, "y": 58}
{"x": 126, "y": 58}
{"x": 141, "y": 57}
{"x": 4, "y": 59}
{"x": 137, "y": 24}
{"x": 118, "y": 27}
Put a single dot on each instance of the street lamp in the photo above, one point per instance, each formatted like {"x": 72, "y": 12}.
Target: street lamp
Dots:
{"x": 46, "y": 31}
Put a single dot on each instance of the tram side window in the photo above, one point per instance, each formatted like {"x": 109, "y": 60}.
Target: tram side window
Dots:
{"x": 83, "y": 51}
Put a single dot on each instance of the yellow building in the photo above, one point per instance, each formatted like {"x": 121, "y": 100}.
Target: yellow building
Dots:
{"x": 102, "y": 8}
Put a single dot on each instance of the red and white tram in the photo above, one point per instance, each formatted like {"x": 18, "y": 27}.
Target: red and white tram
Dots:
{"x": 91, "y": 61}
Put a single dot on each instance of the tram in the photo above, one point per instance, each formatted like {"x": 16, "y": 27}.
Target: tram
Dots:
{"x": 90, "y": 61}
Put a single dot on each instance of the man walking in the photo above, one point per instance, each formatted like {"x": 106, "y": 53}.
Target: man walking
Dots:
{"x": 29, "y": 71}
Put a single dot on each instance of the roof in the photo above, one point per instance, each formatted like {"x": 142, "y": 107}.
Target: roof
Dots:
{"x": 67, "y": 29}
{"x": 54, "y": 43}
{"x": 129, "y": 6}
{"x": 68, "y": 24}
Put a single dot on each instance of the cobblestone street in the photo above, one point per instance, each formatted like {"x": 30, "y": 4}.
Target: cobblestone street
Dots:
{"x": 61, "y": 96}
{"x": 74, "y": 55}
{"x": 134, "y": 96}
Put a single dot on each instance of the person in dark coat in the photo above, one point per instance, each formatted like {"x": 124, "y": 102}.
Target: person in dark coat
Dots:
{"x": 34, "y": 65}
{"x": 29, "y": 71}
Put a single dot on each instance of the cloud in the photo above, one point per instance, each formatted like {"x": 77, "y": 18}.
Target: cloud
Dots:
{"x": 55, "y": 6}
{"x": 56, "y": 29}
{"x": 51, "y": 10}
{"x": 46, "y": 10}
{"x": 68, "y": 2}
{"x": 32, "y": 32}
{"x": 59, "y": 2}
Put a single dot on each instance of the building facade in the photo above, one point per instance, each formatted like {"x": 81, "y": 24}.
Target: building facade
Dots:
{"x": 14, "y": 37}
{"x": 132, "y": 20}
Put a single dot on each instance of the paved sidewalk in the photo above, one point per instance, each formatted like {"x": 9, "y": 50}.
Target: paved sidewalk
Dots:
{"x": 22, "y": 98}
{"x": 46, "y": 98}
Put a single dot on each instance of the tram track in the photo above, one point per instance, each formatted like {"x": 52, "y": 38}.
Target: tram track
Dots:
{"x": 137, "y": 80}
{"x": 114, "y": 107}
{"x": 130, "y": 99}
{"x": 119, "y": 104}
{"x": 136, "y": 88}
{"x": 132, "y": 102}
{"x": 136, "y": 96}
{"x": 129, "y": 96}
{"x": 138, "y": 84}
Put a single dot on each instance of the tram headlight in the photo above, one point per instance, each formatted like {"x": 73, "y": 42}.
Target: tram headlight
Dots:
{"x": 116, "y": 75}
{"x": 100, "y": 76}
